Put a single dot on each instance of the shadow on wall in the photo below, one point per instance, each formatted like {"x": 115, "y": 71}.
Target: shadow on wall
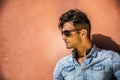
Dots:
{"x": 1, "y": 77}
{"x": 118, "y": 2}
{"x": 118, "y": 5}
{"x": 2, "y": 2}
{"x": 105, "y": 42}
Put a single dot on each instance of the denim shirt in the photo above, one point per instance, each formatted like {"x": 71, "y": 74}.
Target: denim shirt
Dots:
{"x": 100, "y": 64}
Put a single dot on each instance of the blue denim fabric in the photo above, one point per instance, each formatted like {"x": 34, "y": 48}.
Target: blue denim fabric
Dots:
{"x": 99, "y": 65}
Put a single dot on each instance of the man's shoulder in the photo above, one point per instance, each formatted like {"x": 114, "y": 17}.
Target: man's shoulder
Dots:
{"x": 65, "y": 60}
{"x": 108, "y": 53}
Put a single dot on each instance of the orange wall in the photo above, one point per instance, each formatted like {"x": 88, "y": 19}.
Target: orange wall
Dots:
{"x": 30, "y": 42}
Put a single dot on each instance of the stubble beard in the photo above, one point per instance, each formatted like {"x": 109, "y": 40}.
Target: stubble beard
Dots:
{"x": 69, "y": 47}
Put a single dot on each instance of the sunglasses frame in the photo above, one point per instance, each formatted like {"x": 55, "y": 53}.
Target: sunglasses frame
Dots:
{"x": 67, "y": 33}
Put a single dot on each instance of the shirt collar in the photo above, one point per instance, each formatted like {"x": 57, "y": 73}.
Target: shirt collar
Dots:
{"x": 91, "y": 52}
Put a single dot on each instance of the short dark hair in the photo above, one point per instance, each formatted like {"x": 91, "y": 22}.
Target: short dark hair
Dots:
{"x": 78, "y": 18}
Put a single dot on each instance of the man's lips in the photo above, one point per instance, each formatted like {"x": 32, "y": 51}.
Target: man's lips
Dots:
{"x": 66, "y": 42}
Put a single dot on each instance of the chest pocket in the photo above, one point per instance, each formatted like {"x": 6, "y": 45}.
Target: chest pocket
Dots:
{"x": 68, "y": 72}
{"x": 100, "y": 72}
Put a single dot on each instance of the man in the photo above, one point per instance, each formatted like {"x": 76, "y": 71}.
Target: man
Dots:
{"x": 86, "y": 62}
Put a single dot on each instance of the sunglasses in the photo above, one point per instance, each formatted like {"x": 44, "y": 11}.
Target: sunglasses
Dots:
{"x": 67, "y": 33}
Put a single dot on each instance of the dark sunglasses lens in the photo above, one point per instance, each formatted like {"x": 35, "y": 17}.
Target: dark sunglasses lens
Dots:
{"x": 66, "y": 33}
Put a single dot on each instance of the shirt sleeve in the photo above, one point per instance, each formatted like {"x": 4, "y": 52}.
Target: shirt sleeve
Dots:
{"x": 116, "y": 65}
{"x": 57, "y": 73}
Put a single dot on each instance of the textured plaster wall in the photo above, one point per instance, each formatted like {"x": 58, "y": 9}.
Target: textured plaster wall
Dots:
{"x": 30, "y": 42}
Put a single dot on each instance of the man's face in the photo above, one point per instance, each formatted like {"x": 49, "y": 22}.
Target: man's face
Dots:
{"x": 70, "y": 35}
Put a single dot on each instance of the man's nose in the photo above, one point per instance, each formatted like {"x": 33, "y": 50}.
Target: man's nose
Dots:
{"x": 64, "y": 37}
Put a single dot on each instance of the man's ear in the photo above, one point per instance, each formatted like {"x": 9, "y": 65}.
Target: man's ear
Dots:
{"x": 83, "y": 32}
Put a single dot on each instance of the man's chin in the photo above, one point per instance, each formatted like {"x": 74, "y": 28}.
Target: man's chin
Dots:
{"x": 69, "y": 47}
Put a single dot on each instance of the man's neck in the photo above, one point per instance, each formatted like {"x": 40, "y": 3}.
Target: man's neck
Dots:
{"x": 83, "y": 51}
